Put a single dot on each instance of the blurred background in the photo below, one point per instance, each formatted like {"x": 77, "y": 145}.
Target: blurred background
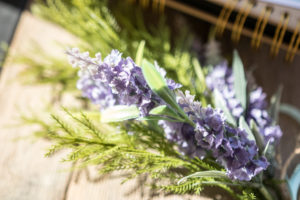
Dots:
{"x": 35, "y": 34}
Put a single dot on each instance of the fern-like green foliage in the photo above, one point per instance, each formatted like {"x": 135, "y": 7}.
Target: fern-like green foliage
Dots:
{"x": 134, "y": 147}
{"x": 247, "y": 195}
{"x": 99, "y": 30}
{"x": 47, "y": 71}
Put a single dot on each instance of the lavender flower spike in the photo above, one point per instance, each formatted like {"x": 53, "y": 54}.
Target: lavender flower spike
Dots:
{"x": 115, "y": 79}
{"x": 221, "y": 78}
{"x": 119, "y": 81}
{"x": 229, "y": 146}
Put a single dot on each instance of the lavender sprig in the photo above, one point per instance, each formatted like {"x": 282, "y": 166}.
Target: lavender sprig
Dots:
{"x": 199, "y": 132}
{"x": 221, "y": 78}
{"x": 229, "y": 146}
{"x": 115, "y": 81}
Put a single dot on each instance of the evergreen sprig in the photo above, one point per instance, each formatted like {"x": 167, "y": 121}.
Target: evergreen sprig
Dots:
{"x": 143, "y": 151}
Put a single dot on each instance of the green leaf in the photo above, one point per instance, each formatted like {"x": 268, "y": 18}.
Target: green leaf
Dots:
{"x": 240, "y": 84}
{"x": 275, "y": 104}
{"x": 155, "y": 118}
{"x": 243, "y": 125}
{"x": 221, "y": 104}
{"x": 258, "y": 137}
{"x": 159, "y": 86}
{"x": 199, "y": 74}
{"x": 157, "y": 83}
{"x": 165, "y": 111}
{"x": 266, "y": 148}
{"x": 140, "y": 53}
{"x": 119, "y": 113}
{"x": 294, "y": 183}
{"x": 205, "y": 174}
{"x": 290, "y": 111}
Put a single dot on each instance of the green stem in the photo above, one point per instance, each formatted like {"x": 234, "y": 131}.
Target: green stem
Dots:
{"x": 263, "y": 190}
{"x": 184, "y": 115}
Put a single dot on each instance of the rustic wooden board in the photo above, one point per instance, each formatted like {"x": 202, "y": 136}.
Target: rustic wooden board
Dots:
{"x": 25, "y": 173}
{"x": 89, "y": 185}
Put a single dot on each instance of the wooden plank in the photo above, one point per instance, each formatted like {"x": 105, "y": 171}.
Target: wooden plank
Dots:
{"x": 87, "y": 184}
{"x": 25, "y": 172}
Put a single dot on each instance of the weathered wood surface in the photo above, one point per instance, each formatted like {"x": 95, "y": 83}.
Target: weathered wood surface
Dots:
{"x": 24, "y": 171}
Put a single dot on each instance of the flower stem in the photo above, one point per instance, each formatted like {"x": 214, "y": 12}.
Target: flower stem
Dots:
{"x": 263, "y": 190}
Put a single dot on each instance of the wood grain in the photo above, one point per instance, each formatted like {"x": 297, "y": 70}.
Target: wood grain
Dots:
{"x": 25, "y": 172}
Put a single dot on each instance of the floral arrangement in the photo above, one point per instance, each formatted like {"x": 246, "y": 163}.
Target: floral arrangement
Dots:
{"x": 121, "y": 87}
{"x": 214, "y": 128}
{"x": 226, "y": 143}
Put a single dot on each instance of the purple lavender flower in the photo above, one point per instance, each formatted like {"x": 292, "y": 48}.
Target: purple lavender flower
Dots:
{"x": 229, "y": 146}
{"x": 258, "y": 112}
{"x": 244, "y": 162}
{"x": 115, "y": 80}
{"x": 96, "y": 91}
{"x": 183, "y": 135}
{"x": 221, "y": 78}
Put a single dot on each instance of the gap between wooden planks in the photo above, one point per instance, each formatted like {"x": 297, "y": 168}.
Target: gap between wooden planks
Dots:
{"x": 25, "y": 173}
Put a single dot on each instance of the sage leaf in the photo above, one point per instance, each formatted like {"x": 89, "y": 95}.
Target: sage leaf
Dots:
{"x": 203, "y": 174}
{"x": 275, "y": 104}
{"x": 219, "y": 183}
{"x": 140, "y": 53}
{"x": 159, "y": 86}
{"x": 291, "y": 111}
{"x": 294, "y": 183}
{"x": 258, "y": 137}
{"x": 156, "y": 118}
{"x": 165, "y": 111}
{"x": 243, "y": 125}
{"x": 157, "y": 83}
{"x": 119, "y": 113}
{"x": 221, "y": 104}
{"x": 240, "y": 84}
{"x": 199, "y": 74}
{"x": 266, "y": 148}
